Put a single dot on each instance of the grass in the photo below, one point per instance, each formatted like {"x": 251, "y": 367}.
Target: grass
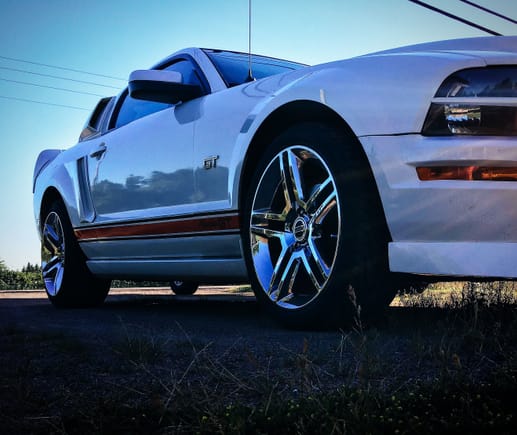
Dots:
{"x": 444, "y": 361}
{"x": 240, "y": 289}
{"x": 139, "y": 347}
{"x": 455, "y": 295}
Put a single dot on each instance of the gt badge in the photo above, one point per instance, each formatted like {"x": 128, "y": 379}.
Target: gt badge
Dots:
{"x": 210, "y": 162}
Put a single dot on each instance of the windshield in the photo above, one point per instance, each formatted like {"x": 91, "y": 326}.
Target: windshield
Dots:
{"x": 233, "y": 67}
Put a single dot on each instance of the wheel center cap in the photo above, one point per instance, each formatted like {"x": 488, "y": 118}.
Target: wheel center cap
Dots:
{"x": 300, "y": 229}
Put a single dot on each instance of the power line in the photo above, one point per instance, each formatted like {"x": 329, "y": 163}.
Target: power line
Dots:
{"x": 455, "y": 17}
{"x": 56, "y": 77}
{"x": 51, "y": 87}
{"x": 62, "y": 68}
{"x": 497, "y": 14}
{"x": 43, "y": 102}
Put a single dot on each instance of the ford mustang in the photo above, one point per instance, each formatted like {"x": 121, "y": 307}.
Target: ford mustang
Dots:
{"x": 326, "y": 187}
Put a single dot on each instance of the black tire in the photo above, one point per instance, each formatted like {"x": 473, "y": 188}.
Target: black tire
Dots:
{"x": 68, "y": 282}
{"x": 184, "y": 287}
{"x": 316, "y": 244}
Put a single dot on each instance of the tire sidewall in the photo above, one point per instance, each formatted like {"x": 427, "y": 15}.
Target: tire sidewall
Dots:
{"x": 337, "y": 302}
{"x": 79, "y": 288}
{"x": 185, "y": 288}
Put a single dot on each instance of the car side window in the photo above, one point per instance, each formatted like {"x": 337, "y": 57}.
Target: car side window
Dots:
{"x": 187, "y": 70}
{"x": 132, "y": 109}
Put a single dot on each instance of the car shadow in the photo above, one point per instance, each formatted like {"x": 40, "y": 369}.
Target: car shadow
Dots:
{"x": 211, "y": 314}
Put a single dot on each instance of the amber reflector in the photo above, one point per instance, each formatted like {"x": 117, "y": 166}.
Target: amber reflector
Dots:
{"x": 471, "y": 173}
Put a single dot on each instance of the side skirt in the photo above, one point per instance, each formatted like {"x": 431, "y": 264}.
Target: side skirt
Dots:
{"x": 203, "y": 248}
{"x": 217, "y": 271}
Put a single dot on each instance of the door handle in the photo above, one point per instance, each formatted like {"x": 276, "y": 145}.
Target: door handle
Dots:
{"x": 97, "y": 154}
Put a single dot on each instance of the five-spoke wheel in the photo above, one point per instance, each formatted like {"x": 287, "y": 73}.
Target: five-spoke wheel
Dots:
{"x": 68, "y": 282}
{"x": 53, "y": 253}
{"x": 315, "y": 237}
{"x": 295, "y": 227}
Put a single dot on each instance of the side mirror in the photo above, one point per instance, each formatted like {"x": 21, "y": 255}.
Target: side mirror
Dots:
{"x": 161, "y": 86}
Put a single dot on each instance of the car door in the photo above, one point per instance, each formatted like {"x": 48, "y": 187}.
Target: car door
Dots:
{"x": 224, "y": 113}
{"x": 142, "y": 168}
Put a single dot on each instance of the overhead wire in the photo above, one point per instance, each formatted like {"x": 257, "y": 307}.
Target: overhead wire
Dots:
{"x": 51, "y": 87}
{"x": 26, "y": 100}
{"x": 455, "y": 17}
{"x": 52, "y": 76}
{"x": 57, "y": 77}
{"x": 62, "y": 68}
{"x": 25, "y": 71}
{"x": 418, "y": 2}
{"x": 489, "y": 11}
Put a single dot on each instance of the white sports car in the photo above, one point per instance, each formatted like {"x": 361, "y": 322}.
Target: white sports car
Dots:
{"x": 326, "y": 187}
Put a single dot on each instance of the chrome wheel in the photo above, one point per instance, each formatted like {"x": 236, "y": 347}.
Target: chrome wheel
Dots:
{"x": 294, "y": 227}
{"x": 53, "y": 253}
{"x": 68, "y": 282}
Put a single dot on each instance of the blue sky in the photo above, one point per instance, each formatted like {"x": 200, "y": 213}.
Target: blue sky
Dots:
{"x": 115, "y": 37}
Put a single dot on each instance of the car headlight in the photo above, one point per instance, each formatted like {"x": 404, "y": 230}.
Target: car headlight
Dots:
{"x": 478, "y": 101}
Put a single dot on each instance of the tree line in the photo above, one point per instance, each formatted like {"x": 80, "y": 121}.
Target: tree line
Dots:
{"x": 29, "y": 278}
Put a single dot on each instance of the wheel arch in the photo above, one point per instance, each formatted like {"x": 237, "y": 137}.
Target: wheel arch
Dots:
{"x": 286, "y": 116}
{"x": 279, "y": 120}
{"x": 50, "y": 195}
